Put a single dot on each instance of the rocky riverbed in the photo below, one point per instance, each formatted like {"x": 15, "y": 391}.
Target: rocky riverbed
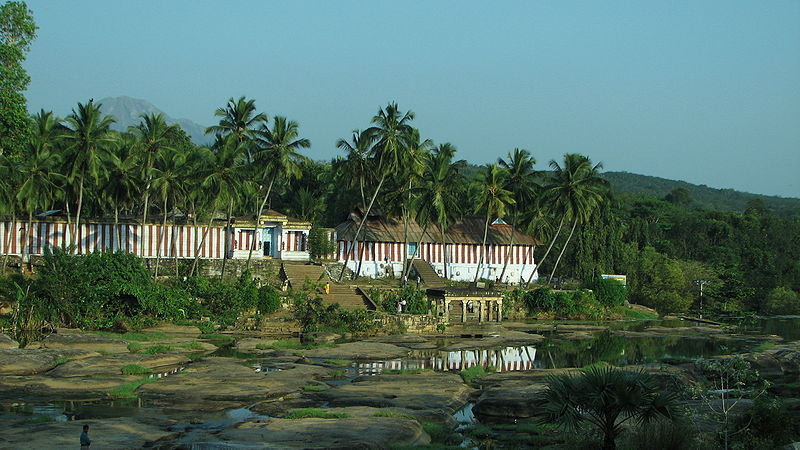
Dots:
{"x": 171, "y": 387}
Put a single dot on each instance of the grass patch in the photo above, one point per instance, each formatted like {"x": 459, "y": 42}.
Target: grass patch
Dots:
{"x": 134, "y": 335}
{"x": 629, "y": 313}
{"x": 128, "y": 390}
{"x": 158, "y": 348}
{"x": 134, "y": 347}
{"x": 317, "y": 413}
{"x": 440, "y": 434}
{"x": 42, "y": 418}
{"x": 404, "y": 371}
{"x": 216, "y": 337}
{"x": 764, "y": 346}
{"x": 314, "y": 388}
{"x": 337, "y": 373}
{"x": 61, "y": 360}
{"x": 191, "y": 345}
{"x": 135, "y": 369}
{"x": 291, "y": 344}
{"x": 471, "y": 373}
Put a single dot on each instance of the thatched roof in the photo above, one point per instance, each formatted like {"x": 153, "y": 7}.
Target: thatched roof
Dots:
{"x": 379, "y": 228}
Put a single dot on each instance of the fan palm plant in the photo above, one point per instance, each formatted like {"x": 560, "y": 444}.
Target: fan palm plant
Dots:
{"x": 605, "y": 398}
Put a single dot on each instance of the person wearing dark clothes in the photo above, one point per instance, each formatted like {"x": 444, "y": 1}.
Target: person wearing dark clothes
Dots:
{"x": 85, "y": 441}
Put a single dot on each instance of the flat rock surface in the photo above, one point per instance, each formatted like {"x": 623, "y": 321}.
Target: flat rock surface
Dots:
{"x": 7, "y": 342}
{"x": 110, "y": 365}
{"x": 25, "y": 361}
{"x": 250, "y": 345}
{"x": 352, "y": 432}
{"x": 85, "y": 341}
{"x": 216, "y": 383}
{"x": 427, "y": 390}
{"x": 172, "y": 330}
{"x": 358, "y": 350}
{"x": 118, "y": 433}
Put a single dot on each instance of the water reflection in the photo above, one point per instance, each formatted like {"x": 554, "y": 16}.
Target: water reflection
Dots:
{"x": 502, "y": 360}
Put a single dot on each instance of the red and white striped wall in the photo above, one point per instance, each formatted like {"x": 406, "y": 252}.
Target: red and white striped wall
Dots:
{"x": 181, "y": 241}
{"x": 462, "y": 259}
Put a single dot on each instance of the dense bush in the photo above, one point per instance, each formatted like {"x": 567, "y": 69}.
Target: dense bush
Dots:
{"x": 564, "y": 304}
{"x": 416, "y": 300}
{"x": 781, "y": 300}
{"x": 313, "y": 315}
{"x": 226, "y": 301}
{"x": 609, "y": 292}
{"x": 319, "y": 245}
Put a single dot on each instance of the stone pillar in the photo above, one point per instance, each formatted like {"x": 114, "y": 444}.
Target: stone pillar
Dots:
{"x": 463, "y": 311}
{"x": 480, "y": 310}
{"x": 446, "y": 304}
{"x": 499, "y": 310}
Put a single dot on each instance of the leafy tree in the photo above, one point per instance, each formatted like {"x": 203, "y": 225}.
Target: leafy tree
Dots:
{"x": 319, "y": 245}
{"x": 605, "y": 398}
{"x": 782, "y": 301}
{"x": 659, "y": 282}
{"x": 17, "y": 31}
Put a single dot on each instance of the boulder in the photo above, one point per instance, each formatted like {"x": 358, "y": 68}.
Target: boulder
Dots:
{"x": 419, "y": 391}
{"x": 352, "y": 432}
{"x": 25, "y": 361}
{"x": 215, "y": 383}
{"x": 122, "y": 432}
{"x": 7, "y": 342}
{"x": 85, "y": 341}
{"x": 507, "y": 405}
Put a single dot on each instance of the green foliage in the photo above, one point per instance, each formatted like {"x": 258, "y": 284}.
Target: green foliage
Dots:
{"x": 128, "y": 390}
{"x": 609, "y": 292}
{"x": 659, "y": 283}
{"x": 580, "y": 304}
{"x": 319, "y": 245}
{"x": 416, "y": 300}
{"x": 767, "y": 424}
{"x": 17, "y": 31}
{"x": 309, "y": 310}
{"x": 471, "y": 373}
{"x": 226, "y": 301}
{"x": 158, "y": 348}
{"x": 315, "y": 413}
{"x": 662, "y": 435}
{"x": 135, "y": 369}
{"x": 781, "y": 301}
{"x": 604, "y": 398}
{"x": 61, "y": 360}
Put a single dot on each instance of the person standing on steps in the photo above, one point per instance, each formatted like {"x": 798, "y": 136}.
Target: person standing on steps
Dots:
{"x": 85, "y": 441}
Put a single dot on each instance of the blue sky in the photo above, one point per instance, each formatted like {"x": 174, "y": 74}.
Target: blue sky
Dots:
{"x": 707, "y": 92}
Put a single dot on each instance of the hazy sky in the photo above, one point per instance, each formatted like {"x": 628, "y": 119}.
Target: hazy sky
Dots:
{"x": 702, "y": 91}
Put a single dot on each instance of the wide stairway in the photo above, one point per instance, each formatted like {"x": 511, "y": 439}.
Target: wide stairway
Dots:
{"x": 297, "y": 274}
{"x": 347, "y": 296}
{"x": 427, "y": 275}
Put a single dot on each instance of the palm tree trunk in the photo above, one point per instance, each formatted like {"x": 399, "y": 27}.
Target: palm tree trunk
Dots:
{"x": 444, "y": 252}
{"x": 29, "y": 237}
{"x": 7, "y": 244}
{"x": 146, "y": 195}
{"x": 161, "y": 237}
{"x": 200, "y": 246}
{"x": 115, "y": 245}
{"x": 483, "y": 249}
{"x": 174, "y": 248}
{"x": 510, "y": 247}
{"x": 524, "y": 263}
{"x": 227, "y": 240}
{"x": 361, "y": 225}
{"x": 574, "y": 224}
{"x": 67, "y": 241}
{"x": 80, "y": 207}
{"x": 535, "y": 265}
{"x": 258, "y": 216}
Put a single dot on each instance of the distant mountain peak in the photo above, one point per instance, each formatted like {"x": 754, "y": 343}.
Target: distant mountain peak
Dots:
{"x": 128, "y": 111}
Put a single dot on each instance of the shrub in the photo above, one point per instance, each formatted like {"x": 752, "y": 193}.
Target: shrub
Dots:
{"x": 781, "y": 301}
{"x": 609, "y": 292}
{"x": 315, "y": 413}
{"x": 578, "y": 304}
{"x": 319, "y": 245}
{"x": 128, "y": 390}
{"x": 416, "y": 300}
{"x": 135, "y": 369}
{"x": 473, "y": 372}
{"x": 313, "y": 315}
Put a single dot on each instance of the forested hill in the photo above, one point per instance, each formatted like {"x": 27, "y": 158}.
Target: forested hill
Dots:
{"x": 701, "y": 195}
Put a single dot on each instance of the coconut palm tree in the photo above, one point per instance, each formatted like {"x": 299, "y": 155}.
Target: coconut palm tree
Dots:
{"x": 358, "y": 161}
{"x": 522, "y": 181}
{"x": 9, "y": 178}
{"x": 277, "y": 155}
{"x": 390, "y": 131}
{"x": 167, "y": 180}
{"x": 577, "y": 189}
{"x": 225, "y": 178}
{"x": 239, "y": 118}
{"x": 154, "y": 136}
{"x": 39, "y": 183}
{"x": 493, "y": 199}
{"x": 438, "y": 201}
{"x": 123, "y": 184}
{"x": 605, "y": 398}
{"x": 87, "y": 136}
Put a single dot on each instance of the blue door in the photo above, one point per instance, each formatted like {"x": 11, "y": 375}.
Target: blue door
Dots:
{"x": 266, "y": 243}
